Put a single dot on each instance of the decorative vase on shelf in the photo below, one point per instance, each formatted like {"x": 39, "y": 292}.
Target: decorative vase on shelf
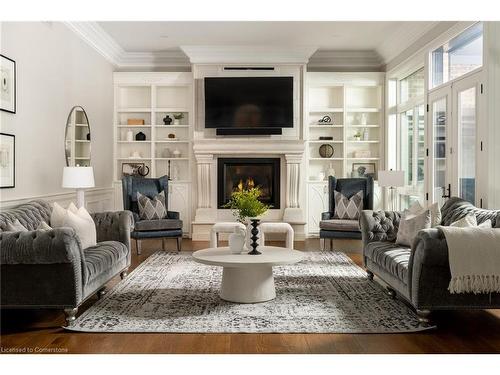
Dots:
{"x": 331, "y": 170}
{"x": 130, "y": 136}
{"x": 363, "y": 119}
{"x": 167, "y": 120}
{"x": 140, "y": 136}
{"x": 254, "y": 223}
{"x": 321, "y": 176}
{"x": 366, "y": 134}
{"x": 177, "y": 122}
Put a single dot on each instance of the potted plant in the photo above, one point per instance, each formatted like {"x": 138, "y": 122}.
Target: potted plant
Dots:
{"x": 246, "y": 205}
{"x": 178, "y": 117}
{"x": 357, "y": 136}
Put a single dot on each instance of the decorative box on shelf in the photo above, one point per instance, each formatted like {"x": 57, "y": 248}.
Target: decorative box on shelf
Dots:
{"x": 135, "y": 121}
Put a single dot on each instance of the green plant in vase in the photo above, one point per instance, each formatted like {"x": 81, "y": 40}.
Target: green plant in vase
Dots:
{"x": 245, "y": 204}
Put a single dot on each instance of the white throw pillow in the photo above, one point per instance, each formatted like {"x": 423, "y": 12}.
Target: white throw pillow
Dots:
{"x": 85, "y": 230}
{"x": 57, "y": 216}
{"x": 486, "y": 224}
{"x": 465, "y": 222}
{"x": 410, "y": 225}
{"x": 417, "y": 209}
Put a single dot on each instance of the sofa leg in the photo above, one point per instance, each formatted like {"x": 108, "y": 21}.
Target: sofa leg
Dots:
{"x": 322, "y": 244}
{"x": 101, "y": 292}
{"x": 179, "y": 243}
{"x": 423, "y": 316}
{"x": 124, "y": 273}
{"x": 331, "y": 244}
{"x": 138, "y": 246}
{"x": 70, "y": 315}
{"x": 391, "y": 292}
{"x": 369, "y": 274}
{"x": 163, "y": 244}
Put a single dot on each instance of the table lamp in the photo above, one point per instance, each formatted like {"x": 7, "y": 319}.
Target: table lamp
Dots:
{"x": 391, "y": 179}
{"x": 78, "y": 178}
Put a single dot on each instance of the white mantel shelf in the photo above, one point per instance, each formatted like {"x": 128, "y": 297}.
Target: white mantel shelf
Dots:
{"x": 248, "y": 146}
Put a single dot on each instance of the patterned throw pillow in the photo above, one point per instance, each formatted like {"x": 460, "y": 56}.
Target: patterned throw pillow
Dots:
{"x": 152, "y": 209}
{"x": 348, "y": 208}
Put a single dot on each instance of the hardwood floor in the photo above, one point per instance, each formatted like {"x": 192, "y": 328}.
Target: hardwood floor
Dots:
{"x": 40, "y": 331}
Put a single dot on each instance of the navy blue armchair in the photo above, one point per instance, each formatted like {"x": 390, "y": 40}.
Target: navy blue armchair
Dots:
{"x": 340, "y": 228}
{"x": 169, "y": 227}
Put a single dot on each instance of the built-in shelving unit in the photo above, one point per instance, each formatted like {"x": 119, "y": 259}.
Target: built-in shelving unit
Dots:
{"x": 355, "y": 105}
{"x": 146, "y": 99}
{"x": 150, "y": 102}
{"x": 354, "y": 102}
{"x": 77, "y": 144}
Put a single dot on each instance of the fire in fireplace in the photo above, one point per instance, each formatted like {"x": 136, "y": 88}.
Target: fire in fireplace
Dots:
{"x": 236, "y": 174}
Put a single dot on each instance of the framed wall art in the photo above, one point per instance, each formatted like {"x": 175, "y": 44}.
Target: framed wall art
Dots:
{"x": 7, "y": 84}
{"x": 364, "y": 170}
{"x": 7, "y": 160}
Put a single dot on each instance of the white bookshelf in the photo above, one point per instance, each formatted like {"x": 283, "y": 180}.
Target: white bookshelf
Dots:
{"x": 150, "y": 97}
{"x": 354, "y": 101}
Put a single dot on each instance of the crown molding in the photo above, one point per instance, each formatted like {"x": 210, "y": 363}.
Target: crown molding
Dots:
{"x": 217, "y": 54}
{"x": 103, "y": 43}
{"x": 341, "y": 60}
{"x": 401, "y": 38}
{"x": 98, "y": 39}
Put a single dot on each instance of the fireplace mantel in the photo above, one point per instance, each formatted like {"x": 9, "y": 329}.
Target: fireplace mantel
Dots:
{"x": 253, "y": 146}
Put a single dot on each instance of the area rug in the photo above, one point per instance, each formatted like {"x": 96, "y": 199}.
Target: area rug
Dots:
{"x": 325, "y": 293}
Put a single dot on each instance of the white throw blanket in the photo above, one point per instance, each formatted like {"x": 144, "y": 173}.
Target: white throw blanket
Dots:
{"x": 474, "y": 255}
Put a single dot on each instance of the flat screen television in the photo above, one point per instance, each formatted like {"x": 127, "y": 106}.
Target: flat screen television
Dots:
{"x": 249, "y": 103}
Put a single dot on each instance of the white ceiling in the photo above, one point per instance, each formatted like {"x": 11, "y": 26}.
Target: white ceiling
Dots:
{"x": 388, "y": 39}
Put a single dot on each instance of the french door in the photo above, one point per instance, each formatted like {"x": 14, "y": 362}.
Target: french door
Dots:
{"x": 454, "y": 152}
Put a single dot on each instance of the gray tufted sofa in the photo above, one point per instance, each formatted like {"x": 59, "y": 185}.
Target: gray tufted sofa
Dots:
{"x": 49, "y": 269}
{"x": 421, "y": 274}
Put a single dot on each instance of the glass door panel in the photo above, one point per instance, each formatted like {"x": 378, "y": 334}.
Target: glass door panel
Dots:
{"x": 439, "y": 125}
{"x": 466, "y": 112}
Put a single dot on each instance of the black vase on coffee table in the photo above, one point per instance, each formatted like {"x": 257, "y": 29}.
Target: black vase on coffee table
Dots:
{"x": 254, "y": 238}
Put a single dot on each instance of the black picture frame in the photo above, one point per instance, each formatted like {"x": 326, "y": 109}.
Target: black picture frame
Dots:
{"x": 13, "y": 185}
{"x": 15, "y": 85}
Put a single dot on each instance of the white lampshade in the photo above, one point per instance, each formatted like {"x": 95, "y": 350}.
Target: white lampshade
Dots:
{"x": 78, "y": 177}
{"x": 391, "y": 178}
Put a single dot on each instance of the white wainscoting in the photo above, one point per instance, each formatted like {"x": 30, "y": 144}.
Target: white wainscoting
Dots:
{"x": 96, "y": 200}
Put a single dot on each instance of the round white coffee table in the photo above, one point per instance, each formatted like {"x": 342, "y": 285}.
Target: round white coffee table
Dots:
{"x": 248, "y": 278}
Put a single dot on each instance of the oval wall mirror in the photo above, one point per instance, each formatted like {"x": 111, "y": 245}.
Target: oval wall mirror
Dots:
{"x": 77, "y": 139}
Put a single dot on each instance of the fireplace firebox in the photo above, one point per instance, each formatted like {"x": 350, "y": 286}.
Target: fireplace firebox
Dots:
{"x": 235, "y": 174}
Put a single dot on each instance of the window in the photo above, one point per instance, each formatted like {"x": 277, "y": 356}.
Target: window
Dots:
{"x": 406, "y": 136}
{"x": 459, "y": 56}
{"x": 412, "y": 86}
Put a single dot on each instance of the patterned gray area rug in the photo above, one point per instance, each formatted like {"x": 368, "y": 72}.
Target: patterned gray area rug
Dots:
{"x": 325, "y": 293}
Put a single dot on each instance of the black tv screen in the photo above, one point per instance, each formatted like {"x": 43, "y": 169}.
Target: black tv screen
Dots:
{"x": 249, "y": 102}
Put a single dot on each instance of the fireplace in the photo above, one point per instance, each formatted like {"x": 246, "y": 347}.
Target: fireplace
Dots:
{"x": 235, "y": 174}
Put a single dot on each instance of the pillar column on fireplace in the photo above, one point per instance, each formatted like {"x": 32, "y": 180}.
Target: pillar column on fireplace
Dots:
{"x": 293, "y": 212}
{"x": 204, "y": 210}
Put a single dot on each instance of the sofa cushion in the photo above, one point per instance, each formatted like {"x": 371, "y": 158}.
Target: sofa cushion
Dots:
{"x": 162, "y": 224}
{"x": 393, "y": 258}
{"x": 339, "y": 224}
{"x": 102, "y": 257}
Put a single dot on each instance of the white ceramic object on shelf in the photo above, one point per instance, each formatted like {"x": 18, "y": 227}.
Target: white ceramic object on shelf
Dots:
{"x": 321, "y": 176}
{"x": 363, "y": 119}
{"x": 177, "y": 122}
{"x": 135, "y": 155}
{"x": 366, "y": 134}
{"x": 130, "y": 136}
{"x": 331, "y": 170}
{"x": 237, "y": 240}
{"x": 176, "y": 153}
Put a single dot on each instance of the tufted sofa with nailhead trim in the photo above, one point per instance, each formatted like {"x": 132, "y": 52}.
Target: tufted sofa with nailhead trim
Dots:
{"x": 49, "y": 268}
{"x": 421, "y": 274}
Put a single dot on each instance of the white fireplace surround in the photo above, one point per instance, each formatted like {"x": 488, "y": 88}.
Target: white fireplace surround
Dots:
{"x": 291, "y": 153}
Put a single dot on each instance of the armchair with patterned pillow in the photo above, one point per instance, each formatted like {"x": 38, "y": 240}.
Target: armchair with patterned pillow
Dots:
{"x": 147, "y": 199}
{"x": 347, "y": 197}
